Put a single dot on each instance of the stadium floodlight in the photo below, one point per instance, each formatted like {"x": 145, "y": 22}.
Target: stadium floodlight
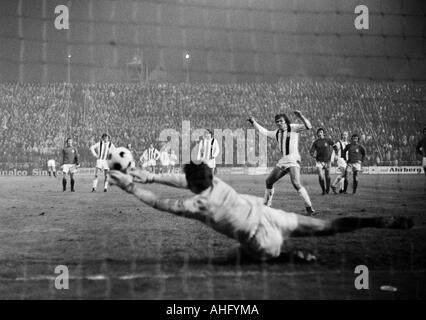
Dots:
{"x": 187, "y": 56}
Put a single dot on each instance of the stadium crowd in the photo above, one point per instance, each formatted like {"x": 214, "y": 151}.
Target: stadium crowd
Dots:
{"x": 36, "y": 118}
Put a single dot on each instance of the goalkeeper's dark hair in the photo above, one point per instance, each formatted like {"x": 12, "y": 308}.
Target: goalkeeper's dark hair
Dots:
{"x": 199, "y": 176}
{"x": 282, "y": 115}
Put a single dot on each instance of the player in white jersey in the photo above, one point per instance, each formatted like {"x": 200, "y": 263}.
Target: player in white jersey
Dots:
{"x": 100, "y": 151}
{"x": 261, "y": 230}
{"x": 164, "y": 159}
{"x": 341, "y": 179}
{"x": 208, "y": 150}
{"x": 151, "y": 155}
{"x": 173, "y": 160}
{"x": 287, "y": 136}
{"x": 51, "y": 167}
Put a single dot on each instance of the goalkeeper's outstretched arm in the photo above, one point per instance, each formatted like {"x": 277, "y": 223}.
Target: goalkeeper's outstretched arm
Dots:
{"x": 168, "y": 179}
{"x": 125, "y": 182}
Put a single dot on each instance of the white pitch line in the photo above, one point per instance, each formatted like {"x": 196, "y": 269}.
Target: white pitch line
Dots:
{"x": 102, "y": 277}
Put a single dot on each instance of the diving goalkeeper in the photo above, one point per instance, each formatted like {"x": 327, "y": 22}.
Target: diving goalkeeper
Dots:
{"x": 261, "y": 230}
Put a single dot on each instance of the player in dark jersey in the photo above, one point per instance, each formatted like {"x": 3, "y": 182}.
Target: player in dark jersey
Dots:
{"x": 421, "y": 149}
{"x": 321, "y": 150}
{"x": 69, "y": 164}
{"x": 355, "y": 153}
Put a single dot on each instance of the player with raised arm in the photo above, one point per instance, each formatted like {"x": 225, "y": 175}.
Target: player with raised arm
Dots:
{"x": 287, "y": 136}
{"x": 100, "y": 151}
{"x": 341, "y": 179}
{"x": 69, "y": 164}
{"x": 421, "y": 149}
{"x": 261, "y": 230}
{"x": 321, "y": 150}
{"x": 355, "y": 155}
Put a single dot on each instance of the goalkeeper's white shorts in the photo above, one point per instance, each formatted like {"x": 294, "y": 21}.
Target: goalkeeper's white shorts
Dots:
{"x": 274, "y": 227}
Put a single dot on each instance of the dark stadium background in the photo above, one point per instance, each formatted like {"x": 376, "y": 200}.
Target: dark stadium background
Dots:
{"x": 227, "y": 40}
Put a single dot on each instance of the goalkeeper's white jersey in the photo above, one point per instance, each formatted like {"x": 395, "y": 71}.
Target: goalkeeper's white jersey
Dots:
{"x": 226, "y": 211}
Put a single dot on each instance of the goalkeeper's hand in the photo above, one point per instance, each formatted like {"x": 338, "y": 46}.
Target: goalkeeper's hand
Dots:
{"x": 120, "y": 179}
{"x": 251, "y": 120}
{"x": 141, "y": 176}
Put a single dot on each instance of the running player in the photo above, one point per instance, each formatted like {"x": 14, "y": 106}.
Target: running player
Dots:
{"x": 69, "y": 164}
{"x": 341, "y": 179}
{"x": 208, "y": 150}
{"x": 287, "y": 136}
{"x": 421, "y": 149}
{"x": 356, "y": 155}
{"x": 321, "y": 150}
{"x": 100, "y": 151}
{"x": 261, "y": 230}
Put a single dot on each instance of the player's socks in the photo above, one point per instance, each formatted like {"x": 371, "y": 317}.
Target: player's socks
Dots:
{"x": 327, "y": 184}
{"x": 304, "y": 194}
{"x": 321, "y": 182}
{"x": 50, "y": 174}
{"x": 105, "y": 186}
{"x": 64, "y": 184}
{"x": 95, "y": 184}
{"x": 345, "y": 186}
{"x": 54, "y": 174}
{"x": 267, "y": 199}
{"x": 72, "y": 185}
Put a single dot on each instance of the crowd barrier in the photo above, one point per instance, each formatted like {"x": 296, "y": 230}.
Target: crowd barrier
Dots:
{"x": 22, "y": 172}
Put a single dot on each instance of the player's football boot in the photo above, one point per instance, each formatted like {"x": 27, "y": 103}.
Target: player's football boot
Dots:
{"x": 397, "y": 222}
{"x": 334, "y": 189}
{"x": 311, "y": 212}
{"x": 93, "y": 190}
{"x": 105, "y": 190}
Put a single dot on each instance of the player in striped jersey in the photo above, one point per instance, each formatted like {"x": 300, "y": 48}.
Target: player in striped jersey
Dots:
{"x": 341, "y": 179}
{"x": 261, "y": 230}
{"x": 208, "y": 150}
{"x": 287, "y": 136}
{"x": 151, "y": 155}
{"x": 100, "y": 151}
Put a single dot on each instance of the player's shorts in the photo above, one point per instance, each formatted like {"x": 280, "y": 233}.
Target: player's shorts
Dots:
{"x": 341, "y": 165}
{"x": 288, "y": 162}
{"x": 274, "y": 227}
{"x": 424, "y": 162}
{"x": 151, "y": 163}
{"x": 71, "y": 168}
{"x": 51, "y": 163}
{"x": 354, "y": 167}
{"x": 323, "y": 164}
{"x": 102, "y": 164}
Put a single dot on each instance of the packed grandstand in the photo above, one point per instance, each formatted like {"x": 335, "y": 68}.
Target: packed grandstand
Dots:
{"x": 36, "y": 118}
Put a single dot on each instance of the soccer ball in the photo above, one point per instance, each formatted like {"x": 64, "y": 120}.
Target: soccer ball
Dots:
{"x": 120, "y": 159}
